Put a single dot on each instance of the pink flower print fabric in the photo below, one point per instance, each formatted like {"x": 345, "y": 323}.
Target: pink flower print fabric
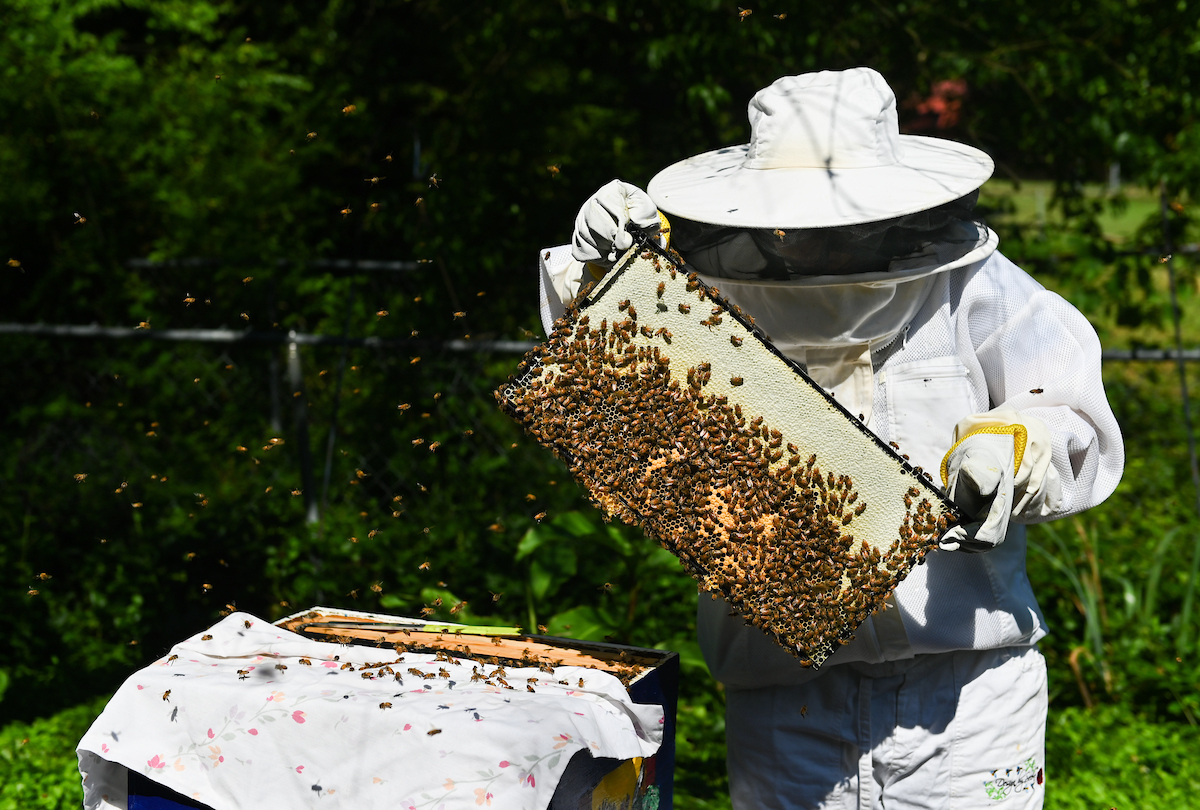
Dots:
{"x": 249, "y": 724}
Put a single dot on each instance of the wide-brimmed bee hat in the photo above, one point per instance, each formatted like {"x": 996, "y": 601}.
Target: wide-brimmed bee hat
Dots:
{"x": 825, "y": 151}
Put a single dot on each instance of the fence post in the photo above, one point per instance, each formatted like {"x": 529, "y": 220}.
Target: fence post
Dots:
{"x": 296, "y": 379}
{"x": 1185, "y": 614}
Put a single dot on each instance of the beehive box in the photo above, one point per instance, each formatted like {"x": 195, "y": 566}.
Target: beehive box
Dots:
{"x": 650, "y": 676}
{"x": 680, "y": 417}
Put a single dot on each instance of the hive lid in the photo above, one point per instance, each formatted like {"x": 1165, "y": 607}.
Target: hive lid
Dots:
{"x": 679, "y": 417}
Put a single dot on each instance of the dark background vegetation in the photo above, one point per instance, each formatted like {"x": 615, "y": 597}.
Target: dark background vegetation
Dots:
{"x": 245, "y": 136}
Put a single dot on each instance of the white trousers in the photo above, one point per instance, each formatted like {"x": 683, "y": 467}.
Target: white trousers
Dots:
{"x": 957, "y": 730}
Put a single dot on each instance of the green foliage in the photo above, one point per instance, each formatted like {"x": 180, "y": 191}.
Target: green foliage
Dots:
{"x": 1112, "y": 758}
{"x": 38, "y": 767}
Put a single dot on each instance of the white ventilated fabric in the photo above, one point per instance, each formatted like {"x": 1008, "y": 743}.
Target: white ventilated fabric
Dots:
{"x": 985, "y": 335}
{"x": 963, "y": 730}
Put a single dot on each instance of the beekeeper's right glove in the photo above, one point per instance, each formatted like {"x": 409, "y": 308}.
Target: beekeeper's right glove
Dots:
{"x": 600, "y": 236}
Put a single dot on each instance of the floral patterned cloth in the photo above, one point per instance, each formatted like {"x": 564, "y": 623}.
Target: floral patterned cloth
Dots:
{"x": 249, "y": 715}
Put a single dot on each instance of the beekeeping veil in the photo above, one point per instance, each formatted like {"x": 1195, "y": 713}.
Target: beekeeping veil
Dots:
{"x": 829, "y": 226}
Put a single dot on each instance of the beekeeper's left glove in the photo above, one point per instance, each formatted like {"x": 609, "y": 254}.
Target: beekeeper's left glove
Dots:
{"x": 980, "y": 471}
{"x": 1028, "y": 484}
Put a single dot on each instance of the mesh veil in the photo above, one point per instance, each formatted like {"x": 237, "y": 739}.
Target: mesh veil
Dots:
{"x": 772, "y": 253}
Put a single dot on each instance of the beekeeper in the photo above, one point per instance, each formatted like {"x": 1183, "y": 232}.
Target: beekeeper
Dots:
{"x": 856, "y": 250}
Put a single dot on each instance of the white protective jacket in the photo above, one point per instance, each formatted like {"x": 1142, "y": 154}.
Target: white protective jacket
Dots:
{"x": 956, "y": 332}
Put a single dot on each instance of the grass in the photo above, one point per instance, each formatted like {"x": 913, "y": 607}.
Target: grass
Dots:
{"x": 1101, "y": 758}
{"x": 1028, "y": 204}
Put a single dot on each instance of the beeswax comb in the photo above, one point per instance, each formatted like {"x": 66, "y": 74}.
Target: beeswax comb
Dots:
{"x": 680, "y": 417}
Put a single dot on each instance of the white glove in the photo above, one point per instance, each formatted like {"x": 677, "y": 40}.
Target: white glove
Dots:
{"x": 1037, "y": 490}
{"x": 989, "y": 471}
{"x": 980, "y": 473}
{"x": 600, "y": 235}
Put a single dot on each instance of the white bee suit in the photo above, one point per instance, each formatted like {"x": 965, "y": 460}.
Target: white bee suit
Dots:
{"x": 948, "y": 335}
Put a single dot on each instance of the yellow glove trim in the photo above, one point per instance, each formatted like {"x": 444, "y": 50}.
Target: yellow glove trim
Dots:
{"x": 1020, "y": 438}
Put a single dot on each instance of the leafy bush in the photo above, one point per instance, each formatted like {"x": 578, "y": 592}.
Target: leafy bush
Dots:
{"x": 38, "y": 767}
{"x": 1111, "y": 758}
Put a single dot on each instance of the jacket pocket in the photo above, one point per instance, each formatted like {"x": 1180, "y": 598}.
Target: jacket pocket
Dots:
{"x": 925, "y": 399}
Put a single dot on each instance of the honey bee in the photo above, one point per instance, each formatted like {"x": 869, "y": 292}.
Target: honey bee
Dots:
{"x": 424, "y": 566}
{"x": 143, "y": 325}
{"x": 377, "y": 588}
{"x": 373, "y": 180}
{"x": 206, "y": 587}
{"x": 554, "y": 170}
{"x": 414, "y": 361}
{"x": 433, "y": 731}
{"x": 1037, "y": 390}
{"x": 458, "y": 607}
{"x": 418, "y": 442}
{"x": 217, "y": 77}
{"x": 387, "y": 158}
{"x": 735, "y": 340}
{"x": 166, "y": 696}
{"x": 80, "y": 219}
{"x": 735, "y": 380}
{"x": 685, "y": 308}
{"x": 780, "y": 17}
{"x": 206, "y": 637}
{"x": 539, "y": 517}
{"x": 418, "y": 201}
{"x": 281, "y": 667}
{"x": 245, "y": 316}
{"x": 434, "y": 181}
{"x": 606, "y": 587}
{"x": 345, "y": 212}
{"x": 779, "y": 233}
{"x": 33, "y": 592}
{"x": 375, "y": 206}
{"x": 383, "y": 313}
{"x": 458, "y": 315}
{"x": 17, "y": 262}
{"x": 496, "y": 596}
{"x": 385, "y": 705}
{"x": 188, "y": 299}
{"x": 305, "y": 662}
{"x": 248, "y": 624}
{"x": 743, "y": 13}
{"x": 371, "y": 534}
{"x": 80, "y": 477}
{"x": 581, "y": 683}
